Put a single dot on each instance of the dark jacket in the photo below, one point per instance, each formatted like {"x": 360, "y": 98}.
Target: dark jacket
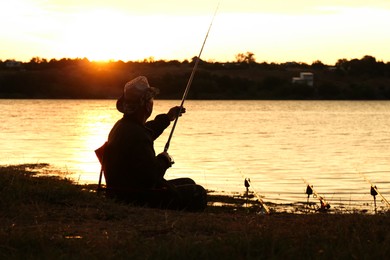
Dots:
{"x": 130, "y": 162}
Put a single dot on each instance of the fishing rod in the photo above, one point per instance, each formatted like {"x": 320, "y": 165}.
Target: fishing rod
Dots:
{"x": 374, "y": 190}
{"x": 309, "y": 191}
{"x": 189, "y": 82}
{"x": 247, "y": 184}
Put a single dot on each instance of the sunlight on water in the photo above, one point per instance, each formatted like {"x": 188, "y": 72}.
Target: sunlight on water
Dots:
{"x": 331, "y": 144}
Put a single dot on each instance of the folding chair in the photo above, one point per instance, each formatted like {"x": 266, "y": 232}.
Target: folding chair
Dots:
{"x": 100, "y": 155}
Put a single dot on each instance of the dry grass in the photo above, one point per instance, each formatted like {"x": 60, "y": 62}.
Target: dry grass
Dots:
{"x": 52, "y": 218}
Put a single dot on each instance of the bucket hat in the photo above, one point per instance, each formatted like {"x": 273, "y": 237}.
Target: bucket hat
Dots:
{"x": 135, "y": 93}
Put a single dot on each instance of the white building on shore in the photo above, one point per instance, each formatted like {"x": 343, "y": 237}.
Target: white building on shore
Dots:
{"x": 306, "y": 78}
{"x": 12, "y": 64}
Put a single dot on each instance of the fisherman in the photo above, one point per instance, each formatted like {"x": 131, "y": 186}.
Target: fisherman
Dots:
{"x": 133, "y": 172}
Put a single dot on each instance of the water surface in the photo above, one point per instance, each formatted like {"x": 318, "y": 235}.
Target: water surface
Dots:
{"x": 331, "y": 144}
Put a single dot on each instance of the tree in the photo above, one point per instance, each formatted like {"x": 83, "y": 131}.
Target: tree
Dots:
{"x": 318, "y": 65}
{"x": 248, "y": 57}
{"x": 38, "y": 60}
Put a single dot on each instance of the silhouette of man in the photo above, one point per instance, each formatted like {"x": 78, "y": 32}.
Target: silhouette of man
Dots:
{"x": 132, "y": 170}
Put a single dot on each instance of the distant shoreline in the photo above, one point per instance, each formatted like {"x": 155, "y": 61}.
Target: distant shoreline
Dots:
{"x": 356, "y": 79}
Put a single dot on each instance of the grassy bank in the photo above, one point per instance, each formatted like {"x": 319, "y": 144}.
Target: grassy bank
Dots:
{"x": 52, "y": 218}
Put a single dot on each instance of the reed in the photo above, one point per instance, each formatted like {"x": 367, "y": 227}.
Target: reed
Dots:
{"x": 44, "y": 217}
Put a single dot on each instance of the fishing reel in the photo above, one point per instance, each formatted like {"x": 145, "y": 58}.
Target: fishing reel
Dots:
{"x": 171, "y": 160}
{"x": 167, "y": 157}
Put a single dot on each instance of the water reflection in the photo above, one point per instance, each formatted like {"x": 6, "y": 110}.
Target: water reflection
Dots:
{"x": 274, "y": 143}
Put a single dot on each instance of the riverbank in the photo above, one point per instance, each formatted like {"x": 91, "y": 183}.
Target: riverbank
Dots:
{"x": 356, "y": 79}
{"x": 47, "y": 217}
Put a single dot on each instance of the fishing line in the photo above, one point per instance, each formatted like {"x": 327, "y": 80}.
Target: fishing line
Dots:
{"x": 187, "y": 89}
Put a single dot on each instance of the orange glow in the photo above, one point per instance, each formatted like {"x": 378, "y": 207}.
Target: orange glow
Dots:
{"x": 96, "y": 35}
{"x": 275, "y": 31}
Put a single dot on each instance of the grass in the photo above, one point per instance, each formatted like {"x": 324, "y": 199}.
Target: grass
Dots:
{"x": 46, "y": 217}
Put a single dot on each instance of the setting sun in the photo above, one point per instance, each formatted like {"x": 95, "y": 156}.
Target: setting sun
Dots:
{"x": 99, "y": 35}
{"x": 111, "y": 35}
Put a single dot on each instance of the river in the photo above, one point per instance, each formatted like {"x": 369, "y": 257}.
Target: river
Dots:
{"x": 333, "y": 145}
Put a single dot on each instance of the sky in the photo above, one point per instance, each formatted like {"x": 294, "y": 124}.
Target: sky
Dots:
{"x": 274, "y": 31}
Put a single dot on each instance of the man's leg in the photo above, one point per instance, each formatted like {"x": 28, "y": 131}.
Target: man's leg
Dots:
{"x": 181, "y": 181}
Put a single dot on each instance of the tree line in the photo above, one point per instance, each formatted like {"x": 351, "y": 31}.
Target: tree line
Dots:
{"x": 364, "y": 78}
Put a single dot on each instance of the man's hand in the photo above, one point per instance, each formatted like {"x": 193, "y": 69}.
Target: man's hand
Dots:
{"x": 167, "y": 158}
{"x": 175, "y": 112}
